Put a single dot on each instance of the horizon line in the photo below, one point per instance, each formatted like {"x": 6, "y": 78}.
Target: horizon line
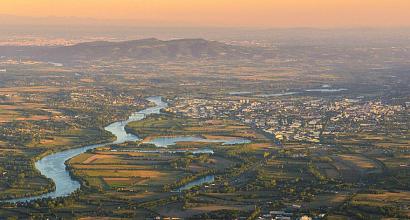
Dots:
{"x": 101, "y": 22}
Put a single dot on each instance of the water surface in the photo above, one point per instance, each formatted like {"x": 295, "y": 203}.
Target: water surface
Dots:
{"x": 198, "y": 182}
{"x": 326, "y": 90}
{"x": 53, "y": 165}
{"x": 277, "y": 94}
{"x": 168, "y": 141}
{"x": 240, "y": 93}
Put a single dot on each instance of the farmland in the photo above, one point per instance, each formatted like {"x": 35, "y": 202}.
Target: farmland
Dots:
{"x": 143, "y": 179}
{"x": 318, "y": 139}
{"x": 156, "y": 126}
{"x": 37, "y": 119}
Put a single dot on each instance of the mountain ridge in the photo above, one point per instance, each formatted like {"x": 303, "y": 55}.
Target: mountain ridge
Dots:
{"x": 144, "y": 49}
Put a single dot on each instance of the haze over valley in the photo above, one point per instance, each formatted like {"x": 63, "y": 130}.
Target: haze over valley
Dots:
{"x": 102, "y": 117}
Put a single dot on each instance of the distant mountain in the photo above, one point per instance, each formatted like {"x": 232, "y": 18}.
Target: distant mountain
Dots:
{"x": 146, "y": 49}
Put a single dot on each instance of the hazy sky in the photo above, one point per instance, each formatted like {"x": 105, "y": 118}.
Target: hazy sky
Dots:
{"x": 257, "y": 13}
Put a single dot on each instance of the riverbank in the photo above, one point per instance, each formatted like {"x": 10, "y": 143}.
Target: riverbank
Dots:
{"x": 48, "y": 185}
{"x": 53, "y": 166}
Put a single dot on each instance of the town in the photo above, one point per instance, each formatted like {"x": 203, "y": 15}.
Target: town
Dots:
{"x": 305, "y": 119}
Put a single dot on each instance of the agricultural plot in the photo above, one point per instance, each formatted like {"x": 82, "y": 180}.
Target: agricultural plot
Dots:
{"x": 328, "y": 170}
{"x": 17, "y": 108}
{"x": 286, "y": 170}
{"x": 179, "y": 210}
{"x": 136, "y": 171}
{"x": 354, "y": 167}
{"x": 72, "y": 138}
{"x": 382, "y": 203}
{"x": 384, "y": 141}
{"x": 327, "y": 200}
{"x": 122, "y": 170}
{"x": 166, "y": 125}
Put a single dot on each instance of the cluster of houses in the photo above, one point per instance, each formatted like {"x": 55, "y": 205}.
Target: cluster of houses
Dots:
{"x": 297, "y": 119}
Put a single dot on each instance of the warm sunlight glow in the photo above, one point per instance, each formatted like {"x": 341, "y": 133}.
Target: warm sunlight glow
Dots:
{"x": 261, "y": 13}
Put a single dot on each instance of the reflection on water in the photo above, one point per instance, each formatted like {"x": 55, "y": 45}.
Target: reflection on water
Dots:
{"x": 168, "y": 141}
{"x": 198, "y": 151}
{"x": 325, "y": 90}
{"x": 198, "y": 182}
{"x": 277, "y": 94}
{"x": 240, "y": 93}
{"x": 53, "y": 167}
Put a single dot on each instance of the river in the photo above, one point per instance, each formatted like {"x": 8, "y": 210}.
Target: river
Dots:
{"x": 53, "y": 166}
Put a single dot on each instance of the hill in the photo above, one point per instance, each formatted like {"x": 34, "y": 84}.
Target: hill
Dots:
{"x": 146, "y": 49}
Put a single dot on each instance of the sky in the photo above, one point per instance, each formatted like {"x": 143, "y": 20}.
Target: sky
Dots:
{"x": 229, "y": 13}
